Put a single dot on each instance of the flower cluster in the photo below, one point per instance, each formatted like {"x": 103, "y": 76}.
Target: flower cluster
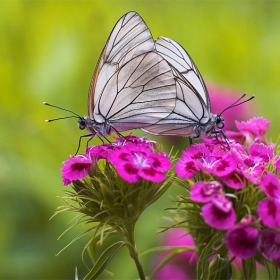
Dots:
{"x": 183, "y": 265}
{"x": 134, "y": 158}
{"x": 237, "y": 192}
{"x": 112, "y": 185}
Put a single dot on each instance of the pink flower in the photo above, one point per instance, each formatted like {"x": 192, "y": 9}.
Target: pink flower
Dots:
{"x": 219, "y": 164}
{"x": 277, "y": 164}
{"x": 122, "y": 141}
{"x": 187, "y": 166}
{"x": 250, "y": 131}
{"x": 219, "y": 213}
{"x": 135, "y": 156}
{"x": 255, "y": 126}
{"x": 242, "y": 240}
{"x": 269, "y": 213}
{"x": 75, "y": 168}
{"x": 100, "y": 151}
{"x": 252, "y": 166}
{"x": 183, "y": 266}
{"x": 261, "y": 153}
{"x": 209, "y": 159}
{"x": 235, "y": 180}
{"x": 270, "y": 185}
{"x": 103, "y": 151}
{"x": 205, "y": 191}
{"x": 269, "y": 244}
{"x": 134, "y": 162}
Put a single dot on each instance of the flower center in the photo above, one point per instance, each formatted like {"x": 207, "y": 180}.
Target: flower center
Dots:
{"x": 140, "y": 160}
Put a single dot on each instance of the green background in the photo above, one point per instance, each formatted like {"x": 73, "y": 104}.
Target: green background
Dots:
{"x": 48, "y": 52}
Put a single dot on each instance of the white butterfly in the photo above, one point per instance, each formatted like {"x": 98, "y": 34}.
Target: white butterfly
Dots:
{"x": 132, "y": 86}
{"x": 192, "y": 115}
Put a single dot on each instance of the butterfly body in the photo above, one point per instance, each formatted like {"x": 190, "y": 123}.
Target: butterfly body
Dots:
{"x": 94, "y": 128}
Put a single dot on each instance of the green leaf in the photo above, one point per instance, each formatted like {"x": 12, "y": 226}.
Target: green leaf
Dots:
{"x": 203, "y": 263}
{"x": 220, "y": 268}
{"x": 103, "y": 260}
{"x": 249, "y": 269}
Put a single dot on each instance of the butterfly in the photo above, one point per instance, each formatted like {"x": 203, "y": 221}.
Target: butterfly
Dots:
{"x": 192, "y": 115}
{"x": 132, "y": 86}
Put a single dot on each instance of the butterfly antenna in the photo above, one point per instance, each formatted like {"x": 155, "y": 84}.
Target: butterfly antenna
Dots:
{"x": 75, "y": 115}
{"x": 48, "y": 104}
{"x": 56, "y": 119}
{"x": 237, "y": 103}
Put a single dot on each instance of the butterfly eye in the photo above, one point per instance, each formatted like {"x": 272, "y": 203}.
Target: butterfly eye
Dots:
{"x": 82, "y": 123}
{"x": 220, "y": 122}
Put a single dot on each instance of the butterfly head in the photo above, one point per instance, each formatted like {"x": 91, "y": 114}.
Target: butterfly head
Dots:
{"x": 82, "y": 123}
{"x": 220, "y": 122}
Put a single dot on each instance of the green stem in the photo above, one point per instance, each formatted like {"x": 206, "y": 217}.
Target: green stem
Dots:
{"x": 134, "y": 254}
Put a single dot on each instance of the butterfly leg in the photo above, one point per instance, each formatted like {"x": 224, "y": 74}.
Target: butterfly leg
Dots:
{"x": 190, "y": 140}
{"x": 80, "y": 140}
{"x": 216, "y": 133}
{"x": 120, "y": 135}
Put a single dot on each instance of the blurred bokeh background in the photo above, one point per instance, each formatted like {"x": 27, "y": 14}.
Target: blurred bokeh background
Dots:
{"x": 48, "y": 52}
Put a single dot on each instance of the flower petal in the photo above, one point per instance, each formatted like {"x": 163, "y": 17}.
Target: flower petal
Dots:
{"x": 242, "y": 241}
{"x": 268, "y": 211}
{"x": 219, "y": 213}
{"x": 205, "y": 191}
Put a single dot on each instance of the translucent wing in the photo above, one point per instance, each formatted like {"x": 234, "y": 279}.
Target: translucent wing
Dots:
{"x": 129, "y": 38}
{"x": 177, "y": 56}
{"x": 140, "y": 93}
{"x": 192, "y": 107}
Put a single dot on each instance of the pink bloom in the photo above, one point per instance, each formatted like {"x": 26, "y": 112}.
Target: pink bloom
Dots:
{"x": 205, "y": 191}
{"x": 250, "y": 131}
{"x": 218, "y": 164}
{"x": 252, "y": 171}
{"x": 269, "y": 213}
{"x": 122, "y": 141}
{"x": 209, "y": 159}
{"x": 103, "y": 151}
{"x": 255, "y": 126}
{"x": 75, "y": 168}
{"x": 219, "y": 213}
{"x": 235, "y": 180}
{"x": 270, "y": 244}
{"x": 187, "y": 166}
{"x": 251, "y": 166}
{"x": 242, "y": 240}
{"x": 183, "y": 266}
{"x": 134, "y": 162}
{"x": 261, "y": 153}
{"x": 270, "y": 185}
{"x": 238, "y": 151}
{"x": 277, "y": 164}
{"x": 100, "y": 151}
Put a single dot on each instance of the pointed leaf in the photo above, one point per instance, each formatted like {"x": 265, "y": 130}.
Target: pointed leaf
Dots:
{"x": 103, "y": 260}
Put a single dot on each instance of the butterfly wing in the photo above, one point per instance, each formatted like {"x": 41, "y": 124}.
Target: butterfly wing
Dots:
{"x": 140, "y": 93}
{"x": 192, "y": 102}
{"x": 177, "y": 56}
{"x": 129, "y": 38}
{"x": 133, "y": 86}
